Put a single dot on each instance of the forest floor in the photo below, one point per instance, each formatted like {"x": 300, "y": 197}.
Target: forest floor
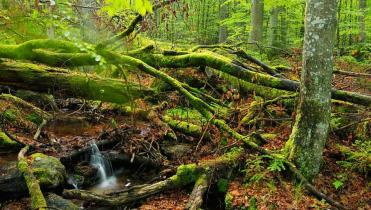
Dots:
{"x": 79, "y": 122}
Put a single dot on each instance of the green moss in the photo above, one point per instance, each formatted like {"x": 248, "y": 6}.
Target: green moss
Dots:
{"x": 10, "y": 114}
{"x": 269, "y": 136}
{"x": 48, "y": 170}
{"x": 184, "y": 127}
{"x": 228, "y": 200}
{"x": 185, "y": 174}
{"x": 6, "y": 142}
{"x": 35, "y": 118}
{"x": 186, "y": 114}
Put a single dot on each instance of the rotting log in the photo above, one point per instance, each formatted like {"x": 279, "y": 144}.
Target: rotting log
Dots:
{"x": 45, "y": 79}
{"x": 186, "y": 174}
{"x": 37, "y": 198}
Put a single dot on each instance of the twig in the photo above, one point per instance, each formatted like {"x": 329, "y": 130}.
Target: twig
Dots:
{"x": 351, "y": 124}
{"x": 352, "y": 74}
{"x": 38, "y": 132}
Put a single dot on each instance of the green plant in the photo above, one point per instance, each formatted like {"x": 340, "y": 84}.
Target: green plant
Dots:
{"x": 339, "y": 181}
{"x": 277, "y": 164}
{"x": 358, "y": 158}
{"x": 222, "y": 185}
{"x": 337, "y": 184}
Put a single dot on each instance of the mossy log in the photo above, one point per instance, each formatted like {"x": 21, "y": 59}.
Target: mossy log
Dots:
{"x": 226, "y": 65}
{"x": 6, "y": 143}
{"x": 20, "y": 103}
{"x": 60, "y": 81}
{"x": 37, "y": 198}
{"x": 64, "y": 53}
{"x": 185, "y": 127}
{"x": 186, "y": 174}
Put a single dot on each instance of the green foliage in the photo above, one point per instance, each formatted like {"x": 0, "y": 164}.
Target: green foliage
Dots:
{"x": 222, "y": 185}
{"x": 252, "y": 203}
{"x": 10, "y": 115}
{"x": 337, "y": 184}
{"x": 35, "y": 118}
{"x": 277, "y": 164}
{"x": 112, "y": 7}
{"x": 228, "y": 200}
{"x": 339, "y": 181}
{"x": 255, "y": 170}
{"x": 358, "y": 158}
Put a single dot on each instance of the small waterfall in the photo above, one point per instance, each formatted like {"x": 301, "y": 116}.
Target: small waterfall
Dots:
{"x": 72, "y": 182}
{"x": 104, "y": 167}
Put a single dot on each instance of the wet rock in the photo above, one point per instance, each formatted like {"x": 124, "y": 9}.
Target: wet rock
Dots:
{"x": 12, "y": 184}
{"x": 87, "y": 172}
{"x": 48, "y": 170}
{"x": 57, "y": 202}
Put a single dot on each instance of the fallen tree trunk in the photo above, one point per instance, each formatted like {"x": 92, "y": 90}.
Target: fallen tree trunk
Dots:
{"x": 196, "y": 197}
{"x": 45, "y": 79}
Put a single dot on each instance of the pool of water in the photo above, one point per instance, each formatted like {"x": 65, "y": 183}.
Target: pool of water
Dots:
{"x": 120, "y": 181}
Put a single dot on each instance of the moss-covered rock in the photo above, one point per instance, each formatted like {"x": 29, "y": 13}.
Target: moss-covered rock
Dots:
{"x": 57, "y": 202}
{"x": 48, "y": 170}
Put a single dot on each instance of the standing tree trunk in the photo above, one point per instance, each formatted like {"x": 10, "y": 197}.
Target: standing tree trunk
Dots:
{"x": 309, "y": 134}
{"x": 273, "y": 38}
{"x": 284, "y": 27}
{"x": 223, "y": 14}
{"x": 257, "y": 17}
{"x": 362, "y": 25}
{"x": 338, "y": 25}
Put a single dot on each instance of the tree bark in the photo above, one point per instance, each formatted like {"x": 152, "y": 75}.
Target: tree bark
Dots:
{"x": 257, "y": 17}
{"x": 310, "y": 131}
